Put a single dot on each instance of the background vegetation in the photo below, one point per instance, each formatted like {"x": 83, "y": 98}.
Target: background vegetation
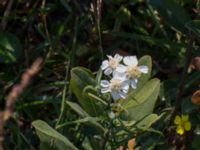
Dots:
{"x": 70, "y": 33}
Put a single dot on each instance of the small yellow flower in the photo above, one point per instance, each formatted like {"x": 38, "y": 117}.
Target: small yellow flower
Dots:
{"x": 182, "y": 124}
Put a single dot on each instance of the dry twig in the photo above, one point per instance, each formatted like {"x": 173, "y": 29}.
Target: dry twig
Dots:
{"x": 183, "y": 77}
{"x": 14, "y": 94}
{"x": 6, "y": 14}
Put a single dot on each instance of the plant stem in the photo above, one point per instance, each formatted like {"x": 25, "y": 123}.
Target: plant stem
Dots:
{"x": 62, "y": 110}
{"x": 6, "y": 15}
{"x": 71, "y": 64}
{"x": 98, "y": 20}
{"x": 183, "y": 77}
{"x": 104, "y": 141}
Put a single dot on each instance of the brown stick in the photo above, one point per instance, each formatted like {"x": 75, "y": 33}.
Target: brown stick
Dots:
{"x": 14, "y": 94}
{"x": 1, "y": 130}
{"x": 183, "y": 77}
{"x": 6, "y": 14}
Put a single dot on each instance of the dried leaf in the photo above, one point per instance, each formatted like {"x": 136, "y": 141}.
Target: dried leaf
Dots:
{"x": 196, "y": 63}
{"x": 120, "y": 148}
{"x": 196, "y": 98}
{"x": 131, "y": 144}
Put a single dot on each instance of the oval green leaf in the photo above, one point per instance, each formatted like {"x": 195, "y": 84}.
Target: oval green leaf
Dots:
{"x": 51, "y": 139}
{"x": 80, "y": 79}
{"x": 141, "y": 103}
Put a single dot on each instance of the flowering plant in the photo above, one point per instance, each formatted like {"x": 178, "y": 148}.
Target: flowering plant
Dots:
{"x": 121, "y": 96}
{"x": 116, "y": 104}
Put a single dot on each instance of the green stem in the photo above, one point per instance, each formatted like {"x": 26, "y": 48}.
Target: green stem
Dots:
{"x": 71, "y": 63}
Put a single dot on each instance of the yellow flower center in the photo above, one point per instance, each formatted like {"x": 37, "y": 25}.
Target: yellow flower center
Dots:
{"x": 113, "y": 63}
{"x": 133, "y": 72}
{"x": 115, "y": 84}
{"x": 182, "y": 124}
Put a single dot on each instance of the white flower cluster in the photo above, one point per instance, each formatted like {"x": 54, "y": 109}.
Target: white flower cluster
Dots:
{"x": 123, "y": 75}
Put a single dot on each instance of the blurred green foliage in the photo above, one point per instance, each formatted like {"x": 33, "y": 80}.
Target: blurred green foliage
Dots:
{"x": 70, "y": 33}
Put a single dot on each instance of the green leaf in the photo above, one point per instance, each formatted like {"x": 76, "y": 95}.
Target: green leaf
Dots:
{"x": 172, "y": 13}
{"x": 141, "y": 103}
{"x": 10, "y": 48}
{"x": 92, "y": 121}
{"x": 123, "y": 14}
{"x": 51, "y": 139}
{"x": 99, "y": 75}
{"x": 194, "y": 26}
{"x": 80, "y": 79}
{"x": 145, "y": 123}
{"x": 77, "y": 109}
{"x": 86, "y": 118}
{"x": 138, "y": 97}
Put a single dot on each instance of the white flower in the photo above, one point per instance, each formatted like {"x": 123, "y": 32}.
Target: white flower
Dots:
{"x": 132, "y": 70}
{"x": 111, "y": 64}
{"x": 118, "y": 87}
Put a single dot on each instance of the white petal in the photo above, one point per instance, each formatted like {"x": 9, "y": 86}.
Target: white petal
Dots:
{"x": 125, "y": 86}
{"x": 122, "y": 94}
{"x": 125, "y": 90}
{"x": 143, "y": 69}
{"x": 118, "y": 57}
{"x": 110, "y": 57}
{"x": 105, "y": 90}
{"x": 104, "y": 83}
{"x": 108, "y": 71}
{"x": 130, "y": 60}
{"x": 115, "y": 73}
{"x": 104, "y": 64}
{"x": 136, "y": 80}
{"x": 115, "y": 95}
{"x": 118, "y": 75}
{"x": 121, "y": 68}
{"x": 134, "y": 83}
